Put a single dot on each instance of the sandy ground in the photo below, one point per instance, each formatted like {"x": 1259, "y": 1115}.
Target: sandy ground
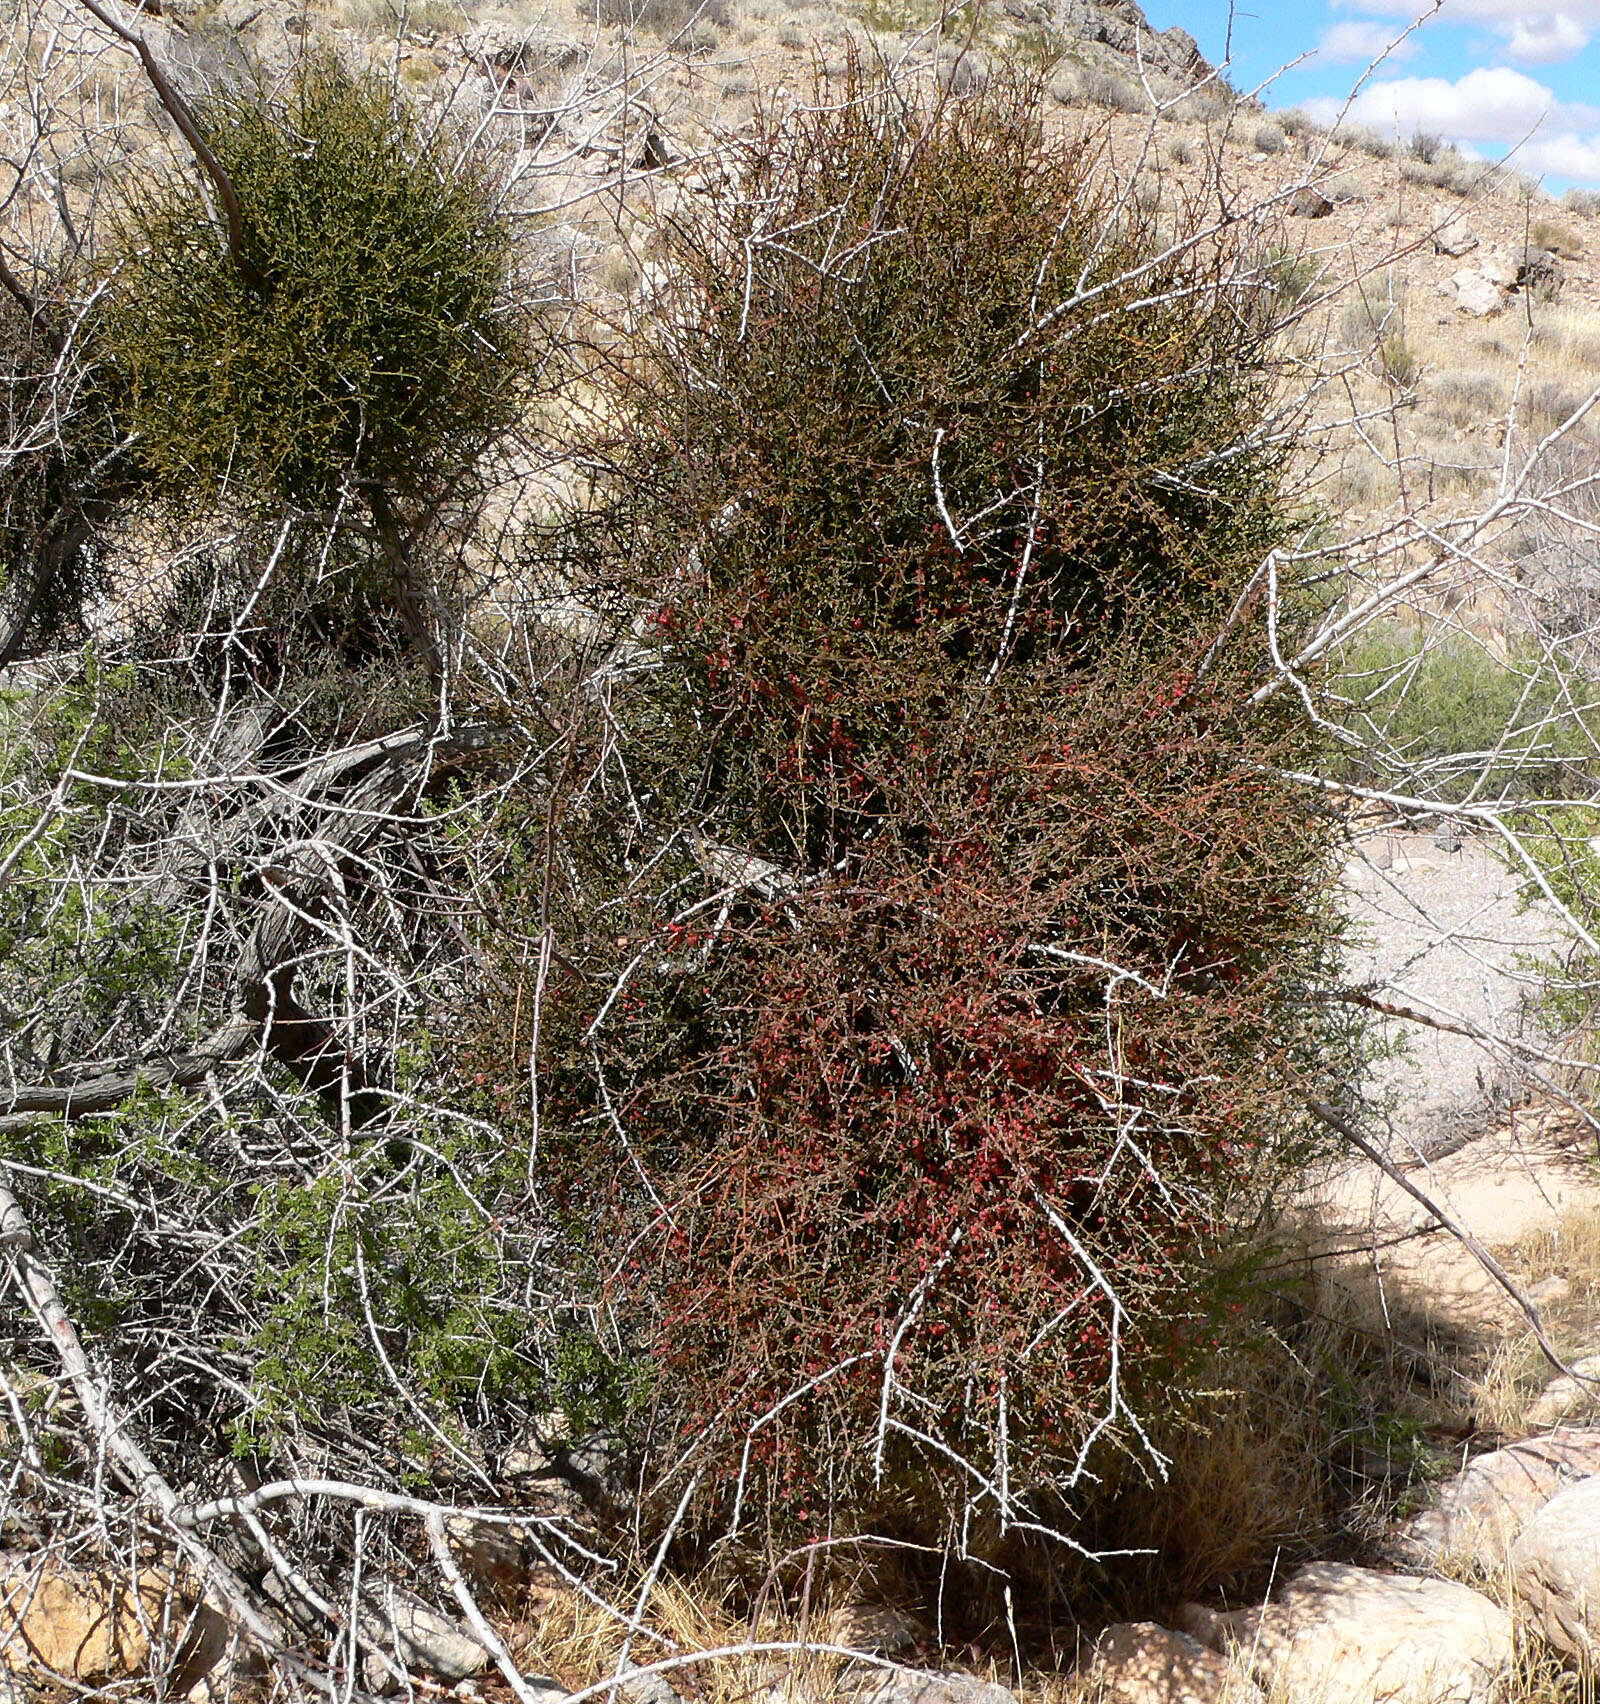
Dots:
{"x": 1441, "y": 930}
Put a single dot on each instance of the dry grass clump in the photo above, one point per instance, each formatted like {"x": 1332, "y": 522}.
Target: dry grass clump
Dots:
{"x": 580, "y": 1642}
{"x": 1566, "y": 342}
{"x": 1557, "y": 238}
{"x": 1569, "y": 1250}
{"x": 1516, "y": 1373}
{"x": 1098, "y": 86}
{"x": 1465, "y": 397}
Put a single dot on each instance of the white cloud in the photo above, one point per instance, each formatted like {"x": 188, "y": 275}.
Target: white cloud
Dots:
{"x": 1567, "y": 155}
{"x": 1489, "y": 110}
{"x": 1545, "y": 41}
{"x": 1537, "y": 32}
{"x": 1487, "y": 105}
{"x": 1356, "y": 43}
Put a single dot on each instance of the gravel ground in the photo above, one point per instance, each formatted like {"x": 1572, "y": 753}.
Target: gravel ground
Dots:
{"x": 1442, "y": 931}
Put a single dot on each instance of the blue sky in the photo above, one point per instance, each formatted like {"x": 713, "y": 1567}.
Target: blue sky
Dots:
{"x": 1485, "y": 73}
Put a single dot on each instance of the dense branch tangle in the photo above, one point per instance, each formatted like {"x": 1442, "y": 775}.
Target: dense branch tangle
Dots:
{"x": 419, "y": 1050}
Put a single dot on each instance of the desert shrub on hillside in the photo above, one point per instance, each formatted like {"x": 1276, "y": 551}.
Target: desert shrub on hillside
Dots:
{"x": 927, "y": 1004}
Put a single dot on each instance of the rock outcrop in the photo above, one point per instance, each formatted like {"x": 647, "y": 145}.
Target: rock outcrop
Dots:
{"x": 1121, "y": 26}
{"x": 1345, "y": 1635}
{"x": 1555, "y": 1571}
{"x": 1479, "y": 1513}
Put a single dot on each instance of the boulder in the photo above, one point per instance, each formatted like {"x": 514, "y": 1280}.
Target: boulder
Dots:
{"x": 1455, "y": 239}
{"x": 1139, "y": 1662}
{"x": 1345, "y": 1635}
{"x": 1478, "y": 1513}
{"x": 1499, "y": 268}
{"x": 1311, "y": 204}
{"x": 1565, "y": 1396}
{"x": 435, "y": 1642}
{"x": 1555, "y": 1571}
{"x": 1477, "y": 295}
{"x": 86, "y": 1626}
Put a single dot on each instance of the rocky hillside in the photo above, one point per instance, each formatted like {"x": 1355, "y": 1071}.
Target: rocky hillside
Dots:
{"x": 1117, "y": 35}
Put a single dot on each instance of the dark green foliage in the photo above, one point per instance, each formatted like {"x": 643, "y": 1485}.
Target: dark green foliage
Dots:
{"x": 374, "y": 350}
{"x": 60, "y": 475}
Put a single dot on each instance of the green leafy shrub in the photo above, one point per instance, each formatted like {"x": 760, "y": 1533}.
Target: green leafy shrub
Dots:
{"x": 1450, "y": 719}
{"x": 926, "y": 1007}
{"x": 373, "y": 349}
{"x": 1293, "y": 273}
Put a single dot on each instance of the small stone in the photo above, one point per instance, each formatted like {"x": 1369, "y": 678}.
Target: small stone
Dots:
{"x": 1565, "y": 1396}
{"x": 929, "y": 1686}
{"x": 1555, "y": 1571}
{"x": 639, "y": 1688}
{"x": 1455, "y": 239}
{"x": 1476, "y": 295}
{"x": 1139, "y": 1662}
{"x": 1478, "y": 1513}
{"x": 1345, "y": 1635}
{"x": 1311, "y": 204}
{"x": 879, "y": 1629}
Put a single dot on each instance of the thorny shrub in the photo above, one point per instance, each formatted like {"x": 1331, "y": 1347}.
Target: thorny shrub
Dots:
{"x": 924, "y": 1006}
